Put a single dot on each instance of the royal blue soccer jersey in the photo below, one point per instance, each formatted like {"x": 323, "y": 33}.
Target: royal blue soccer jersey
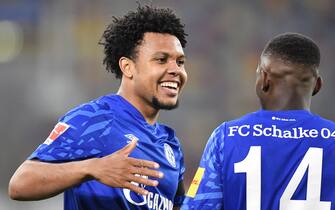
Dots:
{"x": 267, "y": 160}
{"x": 101, "y": 127}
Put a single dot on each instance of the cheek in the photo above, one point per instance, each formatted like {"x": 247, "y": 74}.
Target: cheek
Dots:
{"x": 184, "y": 76}
{"x": 258, "y": 87}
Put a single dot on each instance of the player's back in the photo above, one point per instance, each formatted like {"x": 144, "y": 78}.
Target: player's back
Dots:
{"x": 282, "y": 160}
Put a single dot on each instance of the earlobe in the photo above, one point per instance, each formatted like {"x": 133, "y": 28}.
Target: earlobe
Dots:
{"x": 125, "y": 66}
{"x": 317, "y": 86}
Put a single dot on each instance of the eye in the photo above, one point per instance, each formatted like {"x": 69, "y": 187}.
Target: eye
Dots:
{"x": 161, "y": 60}
{"x": 180, "y": 62}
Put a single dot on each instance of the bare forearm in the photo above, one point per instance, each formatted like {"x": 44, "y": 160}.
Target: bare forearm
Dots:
{"x": 35, "y": 180}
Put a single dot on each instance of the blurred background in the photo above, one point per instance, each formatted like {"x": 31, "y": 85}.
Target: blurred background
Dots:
{"x": 50, "y": 61}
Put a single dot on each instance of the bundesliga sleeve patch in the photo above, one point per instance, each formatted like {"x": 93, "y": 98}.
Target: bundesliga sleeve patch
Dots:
{"x": 58, "y": 130}
{"x": 192, "y": 191}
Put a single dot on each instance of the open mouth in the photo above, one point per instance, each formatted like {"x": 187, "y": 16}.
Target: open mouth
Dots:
{"x": 170, "y": 85}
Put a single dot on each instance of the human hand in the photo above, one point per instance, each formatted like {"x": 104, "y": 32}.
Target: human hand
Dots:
{"x": 119, "y": 170}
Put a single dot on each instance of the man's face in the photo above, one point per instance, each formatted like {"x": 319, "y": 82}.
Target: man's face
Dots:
{"x": 159, "y": 73}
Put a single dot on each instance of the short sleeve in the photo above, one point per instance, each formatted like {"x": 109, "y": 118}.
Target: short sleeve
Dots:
{"x": 206, "y": 190}
{"x": 75, "y": 137}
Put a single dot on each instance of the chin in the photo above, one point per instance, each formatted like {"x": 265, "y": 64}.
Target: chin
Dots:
{"x": 158, "y": 104}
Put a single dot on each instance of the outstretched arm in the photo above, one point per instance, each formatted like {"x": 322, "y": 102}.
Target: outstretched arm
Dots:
{"x": 35, "y": 180}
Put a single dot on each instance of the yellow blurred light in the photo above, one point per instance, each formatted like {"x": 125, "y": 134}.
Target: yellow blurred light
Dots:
{"x": 10, "y": 41}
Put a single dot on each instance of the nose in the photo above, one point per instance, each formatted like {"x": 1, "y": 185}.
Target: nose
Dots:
{"x": 177, "y": 71}
{"x": 174, "y": 68}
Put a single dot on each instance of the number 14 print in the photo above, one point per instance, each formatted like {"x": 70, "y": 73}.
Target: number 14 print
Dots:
{"x": 312, "y": 161}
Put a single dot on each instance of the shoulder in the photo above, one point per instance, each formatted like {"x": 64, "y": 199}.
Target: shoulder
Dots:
{"x": 167, "y": 129}
{"x": 218, "y": 135}
{"x": 82, "y": 114}
{"x": 91, "y": 117}
{"x": 170, "y": 132}
{"x": 220, "y": 130}
{"x": 249, "y": 117}
{"x": 323, "y": 121}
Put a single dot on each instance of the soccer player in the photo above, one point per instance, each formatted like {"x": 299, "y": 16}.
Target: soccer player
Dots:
{"x": 105, "y": 154}
{"x": 281, "y": 157}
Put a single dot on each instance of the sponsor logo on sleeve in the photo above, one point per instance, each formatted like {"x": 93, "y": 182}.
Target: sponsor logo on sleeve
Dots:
{"x": 58, "y": 130}
{"x": 192, "y": 191}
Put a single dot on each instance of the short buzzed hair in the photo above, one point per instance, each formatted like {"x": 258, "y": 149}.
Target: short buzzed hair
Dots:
{"x": 295, "y": 48}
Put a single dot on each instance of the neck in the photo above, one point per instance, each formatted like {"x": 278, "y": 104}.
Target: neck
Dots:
{"x": 149, "y": 113}
{"x": 286, "y": 103}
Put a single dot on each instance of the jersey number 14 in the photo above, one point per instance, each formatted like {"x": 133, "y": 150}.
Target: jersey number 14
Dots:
{"x": 312, "y": 161}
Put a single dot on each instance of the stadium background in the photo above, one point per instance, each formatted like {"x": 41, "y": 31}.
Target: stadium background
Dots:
{"x": 50, "y": 62}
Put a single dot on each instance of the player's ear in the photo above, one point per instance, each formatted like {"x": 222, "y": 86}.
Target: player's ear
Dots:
{"x": 125, "y": 66}
{"x": 265, "y": 81}
{"x": 317, "y": 86}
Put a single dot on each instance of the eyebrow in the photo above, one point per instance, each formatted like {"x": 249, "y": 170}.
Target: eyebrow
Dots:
{"x": 169, "y": 55}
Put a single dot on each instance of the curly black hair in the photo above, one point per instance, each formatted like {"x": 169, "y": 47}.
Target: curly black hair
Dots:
{"x": 294, "y": 48}
{"x": 124, "y": 34}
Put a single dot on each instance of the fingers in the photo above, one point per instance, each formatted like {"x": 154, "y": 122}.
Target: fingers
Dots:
{"x": 139, "y": 180}
{"x": 136, "y": 189}
{"x": 143, "y": 163}
{"x": 143, "y": 180}
{"x": 128, "y": 148}
{"x": 146, "y": 172}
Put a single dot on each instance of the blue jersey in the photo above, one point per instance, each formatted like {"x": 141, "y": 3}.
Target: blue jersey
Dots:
{"x": 267, "y": 160}
{"x": 101, "y": 127}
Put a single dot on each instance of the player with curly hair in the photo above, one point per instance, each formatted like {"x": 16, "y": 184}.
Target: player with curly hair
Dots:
{"x": 111, "y": 153}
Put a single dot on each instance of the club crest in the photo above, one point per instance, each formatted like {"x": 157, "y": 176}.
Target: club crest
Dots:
{"x": 169, "y": 155}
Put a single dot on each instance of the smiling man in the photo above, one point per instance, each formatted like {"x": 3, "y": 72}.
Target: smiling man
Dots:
{"x": 111, "y": 153}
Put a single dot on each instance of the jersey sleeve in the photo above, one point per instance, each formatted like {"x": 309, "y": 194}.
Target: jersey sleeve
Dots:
{"x": 206, "y": 190}
{"x": 75, "y": 137}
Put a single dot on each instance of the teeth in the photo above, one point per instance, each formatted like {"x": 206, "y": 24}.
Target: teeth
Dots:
{"x": 169, "y": 84}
